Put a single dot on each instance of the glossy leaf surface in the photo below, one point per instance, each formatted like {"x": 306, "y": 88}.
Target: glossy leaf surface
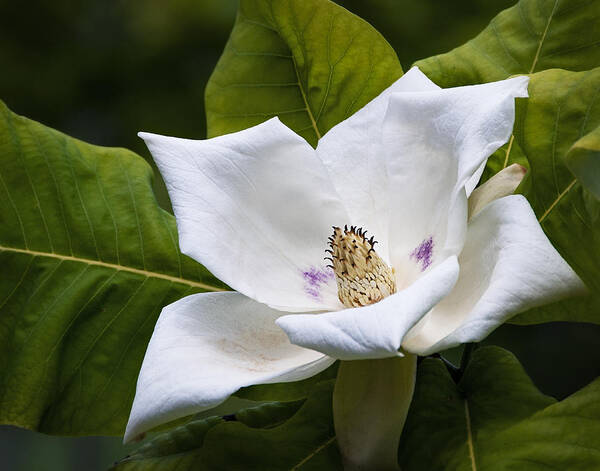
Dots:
{"x": 89, "y": 259}
{"x": 310, "y": 62}
{"x": 496, "y": 419}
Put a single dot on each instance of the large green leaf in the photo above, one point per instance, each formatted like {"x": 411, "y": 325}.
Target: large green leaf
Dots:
{"x": 532, "y": 36}
{"x": 89, "y": 259}
{"x": 562, "y": 112}
{"x": 495, "y": 419}
{"x": 310, "y": 62}
{"x": 275, "y": 436}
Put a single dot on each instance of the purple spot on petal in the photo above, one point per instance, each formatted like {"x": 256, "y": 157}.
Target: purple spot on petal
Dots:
{"x": 423, "y": 253}
{"x": 314, "y": 279}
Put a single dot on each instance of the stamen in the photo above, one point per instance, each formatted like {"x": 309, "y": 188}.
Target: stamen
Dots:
{"x": 362, "y": 276}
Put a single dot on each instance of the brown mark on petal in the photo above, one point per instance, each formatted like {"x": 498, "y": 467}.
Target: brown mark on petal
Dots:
{"x": 362, "y": 276}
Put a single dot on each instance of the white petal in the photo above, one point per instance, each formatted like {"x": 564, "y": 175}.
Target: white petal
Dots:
{"x": 255, "y": 207}
{"x": 207, "y": 346}
{"x": 507, "y": 266}
{"x": 435, "y": 143}
{"x": 373, "y": 331}
{"x": 504, "y": 183}
{"x": 351, "y": 151}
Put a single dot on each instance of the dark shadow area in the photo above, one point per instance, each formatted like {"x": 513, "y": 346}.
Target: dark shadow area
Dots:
{"x": 560, "y": 357}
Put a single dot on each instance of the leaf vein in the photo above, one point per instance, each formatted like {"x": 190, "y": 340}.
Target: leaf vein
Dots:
{"x": 56, "y": 186}
{"x": 19, "y": 149}
{"x": 122, "y": 357}
{"x": 470, "y": 437}
{"x": 83, "y": 206}
{"x": 543, "y": 38}
{"x": 174, "y": 242}
{"x": 107, "y": 326}
{"x": 555, "y": 202}
{"x": 113, "y": 266}
{"x": 502, "y": 43}
{"x": 49, "y": 308}
{"x": 135, "y": 212}
{"x": 110, "y": 212}
{"x": 12, "y": 203}
{"x": 313, "y": 453}
{"x": 13, "y": 291}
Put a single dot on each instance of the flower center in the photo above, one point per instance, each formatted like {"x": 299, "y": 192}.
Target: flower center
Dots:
{"x": 362, "y": 276}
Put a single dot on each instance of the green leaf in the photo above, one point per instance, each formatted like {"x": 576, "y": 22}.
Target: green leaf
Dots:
{"x": 495, "y": 419}
{"x": 529, "y": 37}
{"x": 89, "y": 259}
{"x": 532, "y": 36}
{"x": 583, "y": 159}
{"x": 274, "y": 436}
{"x": 310, "y": 62}
{"x": 562, "y": 109}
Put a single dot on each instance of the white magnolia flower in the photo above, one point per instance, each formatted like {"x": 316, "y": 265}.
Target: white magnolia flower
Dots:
{"x": 260, "y": 207}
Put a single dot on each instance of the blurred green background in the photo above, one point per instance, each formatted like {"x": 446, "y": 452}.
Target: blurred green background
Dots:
{"x": 102, "y": 71}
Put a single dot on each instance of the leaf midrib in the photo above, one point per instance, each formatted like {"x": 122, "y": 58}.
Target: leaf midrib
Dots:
{"x": 113, "y": 266}
{"x": 300, "y": 38}
{"x": 298, "y": 82}
{"x": 313, "y": 453}
{"x": 532, "y": 68}
{"x": 470, "y": 437}
{"x": 543, "y": 38}
{"x": 308, "y": 110}
{"x": 560, "y": 196}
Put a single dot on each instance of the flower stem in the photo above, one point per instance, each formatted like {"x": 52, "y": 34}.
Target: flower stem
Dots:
{"x": 370, "y": 403}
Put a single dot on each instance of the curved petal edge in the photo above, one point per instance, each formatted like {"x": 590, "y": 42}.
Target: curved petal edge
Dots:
{"x": 204, "y": 348}
{"x": 377, "y": 330}
{"x": 508, "y": 265}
